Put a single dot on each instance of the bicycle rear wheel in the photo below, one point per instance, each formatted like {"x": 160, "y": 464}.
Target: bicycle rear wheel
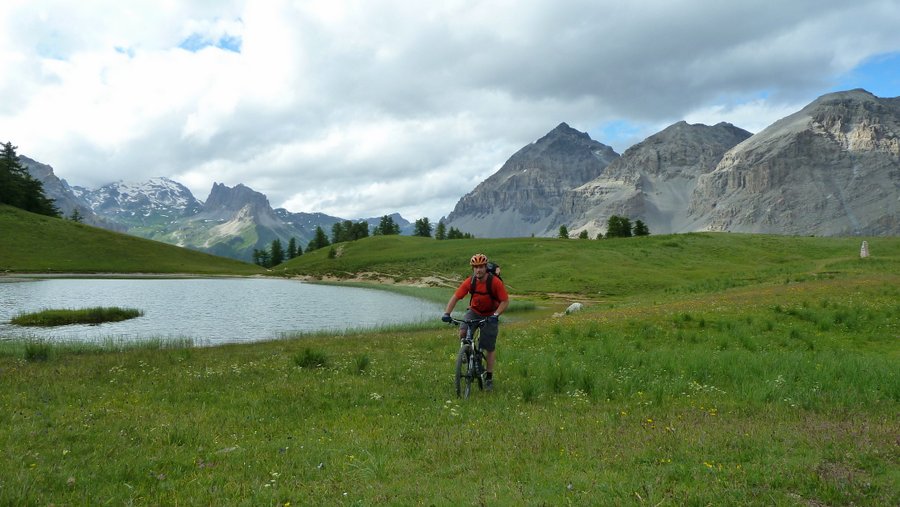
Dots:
{"x": 479, "y": 369}
{"x": 463, "y": 374}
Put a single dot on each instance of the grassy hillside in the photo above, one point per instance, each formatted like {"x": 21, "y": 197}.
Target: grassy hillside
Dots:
{"x": 709, "y": 369}
{"x": 616, "y": 268}
{"x": 39, "y": 244}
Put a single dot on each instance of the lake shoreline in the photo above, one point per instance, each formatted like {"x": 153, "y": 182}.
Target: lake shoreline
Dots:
{"x": 13, "y": 277}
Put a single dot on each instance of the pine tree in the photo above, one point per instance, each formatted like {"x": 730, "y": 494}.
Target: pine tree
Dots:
{"x": 583, "y": 234}
{"x": 387, "y": 226}
{"x": 18, "y": 188}
{"x": 360, "y": 230}
{"x": 618, "y": 227}
{"x": 261, "y": 258}
{"x": 277, "y": 252}
{"x": 563, "y": 232}
{"x": 337, "y": 232}
{"x": 320, "y": 240}
{"x": 292, "y": 248}
{"x": 640, "y": 228}
{"x": 422, "y": 228}
{"x": 441, "y": 231}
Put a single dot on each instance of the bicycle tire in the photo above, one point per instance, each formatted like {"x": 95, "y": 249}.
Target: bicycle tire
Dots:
{"x": 462, "y": 370}
{"x": 469, "y": 374}
{"x": 479, "y": 369}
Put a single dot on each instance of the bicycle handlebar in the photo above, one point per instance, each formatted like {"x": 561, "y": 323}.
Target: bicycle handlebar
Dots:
{"x": 474, "y": 322}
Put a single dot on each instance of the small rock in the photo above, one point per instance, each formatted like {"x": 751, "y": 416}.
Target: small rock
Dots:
{"x": 574, "y": 308}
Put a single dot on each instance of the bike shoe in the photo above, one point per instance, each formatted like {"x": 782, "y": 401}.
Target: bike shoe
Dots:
{"x": 489, "y": 384}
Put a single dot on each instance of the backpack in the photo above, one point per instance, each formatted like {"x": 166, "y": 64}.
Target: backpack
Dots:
{"x": 492, "y": 271}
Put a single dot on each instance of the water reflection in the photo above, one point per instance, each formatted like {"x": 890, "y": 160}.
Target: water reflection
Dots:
{"x": 210, "y": 311}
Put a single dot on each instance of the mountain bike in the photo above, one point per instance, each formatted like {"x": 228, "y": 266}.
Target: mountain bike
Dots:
{"x": 470, "y": 360}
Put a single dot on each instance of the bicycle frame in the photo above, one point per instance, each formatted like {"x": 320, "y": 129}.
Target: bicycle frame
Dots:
{"x": 470, "y": 359}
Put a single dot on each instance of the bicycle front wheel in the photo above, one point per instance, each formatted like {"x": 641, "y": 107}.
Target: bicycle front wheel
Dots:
{"x": 463, "y": 374}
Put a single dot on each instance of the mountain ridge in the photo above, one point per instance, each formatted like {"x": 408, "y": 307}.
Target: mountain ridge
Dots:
{"x": 526, "y": 192}
{"x": 831, "y": 168}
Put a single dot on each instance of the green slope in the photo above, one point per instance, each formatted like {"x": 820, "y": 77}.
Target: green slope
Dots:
{"x": 729, "y": 370}
{"x": 684, "y": 263}
{"x": 32, "y": 243}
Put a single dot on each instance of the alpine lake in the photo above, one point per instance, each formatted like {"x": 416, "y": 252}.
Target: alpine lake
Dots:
{"x": 208, "y": 311}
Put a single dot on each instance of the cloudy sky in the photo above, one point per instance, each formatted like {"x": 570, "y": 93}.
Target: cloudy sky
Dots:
{"x": 363, "y": 108}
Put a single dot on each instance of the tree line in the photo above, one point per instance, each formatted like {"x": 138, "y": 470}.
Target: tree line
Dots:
{"x": 347, "y": 230}
{"x": 19, "y": 189}
{"x": 616, "y": 227}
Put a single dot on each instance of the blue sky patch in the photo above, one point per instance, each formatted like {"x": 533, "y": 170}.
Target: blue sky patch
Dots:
{"x": 619, "y": 134}
{"x": 125, "y": 51}
{"x": 197, "y": 41}
{"x": 879, "y": 75}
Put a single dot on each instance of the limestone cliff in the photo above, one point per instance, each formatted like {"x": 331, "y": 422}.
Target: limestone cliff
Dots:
{"x": 833, "y": 168}
{"x": 652, "y": 181}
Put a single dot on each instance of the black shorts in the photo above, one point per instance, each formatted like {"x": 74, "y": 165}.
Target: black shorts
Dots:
{"x": 488, "y": 340}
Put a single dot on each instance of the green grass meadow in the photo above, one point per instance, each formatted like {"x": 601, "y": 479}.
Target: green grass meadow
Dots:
{"x": 706, "y": 369}
{"x": 31, "y": 243}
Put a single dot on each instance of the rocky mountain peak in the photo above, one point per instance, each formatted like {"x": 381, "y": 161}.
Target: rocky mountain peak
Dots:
{"x": 142, "y": 204}
{"x": 653, "y": 180}
{"x": 525, "y": 194}
{"x": 832, "y": 168}
{"x": 233, "y": 199}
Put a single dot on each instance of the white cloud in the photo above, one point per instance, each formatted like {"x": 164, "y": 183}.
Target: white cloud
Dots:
{"x": 362, "y": 108}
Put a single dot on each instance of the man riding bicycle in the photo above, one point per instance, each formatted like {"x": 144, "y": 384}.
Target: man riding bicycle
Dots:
{"x": 486, "y": 302}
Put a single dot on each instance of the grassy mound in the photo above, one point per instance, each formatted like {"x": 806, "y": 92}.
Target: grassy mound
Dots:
{"x": 97, "y": 315}
{"x": 40, "y": 244}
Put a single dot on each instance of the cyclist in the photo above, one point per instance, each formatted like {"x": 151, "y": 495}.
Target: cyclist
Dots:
{"x": 485, "y": 303}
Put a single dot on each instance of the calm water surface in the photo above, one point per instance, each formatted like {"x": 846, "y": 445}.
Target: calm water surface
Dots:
{"x": 209, "y": 311}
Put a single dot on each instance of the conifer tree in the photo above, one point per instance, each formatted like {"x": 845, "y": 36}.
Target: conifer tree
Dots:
{"x": 422, "y": 228}
{"x": 360, "y": 230}
{"x": 277, "y": 252}
{"x": 292, "y": 248}
{"x": 320, "y": 240}
{"x": 387, "y": 226}
{"x": 618, "y": 227}
{"x": 337, "y": 232}
{"x": 640, "y": 228}
{"x": 18, "y": 188}
{"x": 261, "y": 258}
{"x": 441, "y": 231}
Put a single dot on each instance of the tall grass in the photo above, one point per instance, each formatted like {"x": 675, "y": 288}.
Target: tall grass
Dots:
{"x": 38, "y": 349}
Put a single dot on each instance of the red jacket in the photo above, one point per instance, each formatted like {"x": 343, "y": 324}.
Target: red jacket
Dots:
{"x": 482, "y": 303}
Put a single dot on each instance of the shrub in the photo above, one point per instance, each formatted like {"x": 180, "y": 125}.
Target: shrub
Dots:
{"x": 311, "y": 359}
{"x": 37, "y": 350}
{"x": 362, "y": 363}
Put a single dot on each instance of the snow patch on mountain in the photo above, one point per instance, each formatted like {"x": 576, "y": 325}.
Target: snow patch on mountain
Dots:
{"x": 154, "y": 194}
